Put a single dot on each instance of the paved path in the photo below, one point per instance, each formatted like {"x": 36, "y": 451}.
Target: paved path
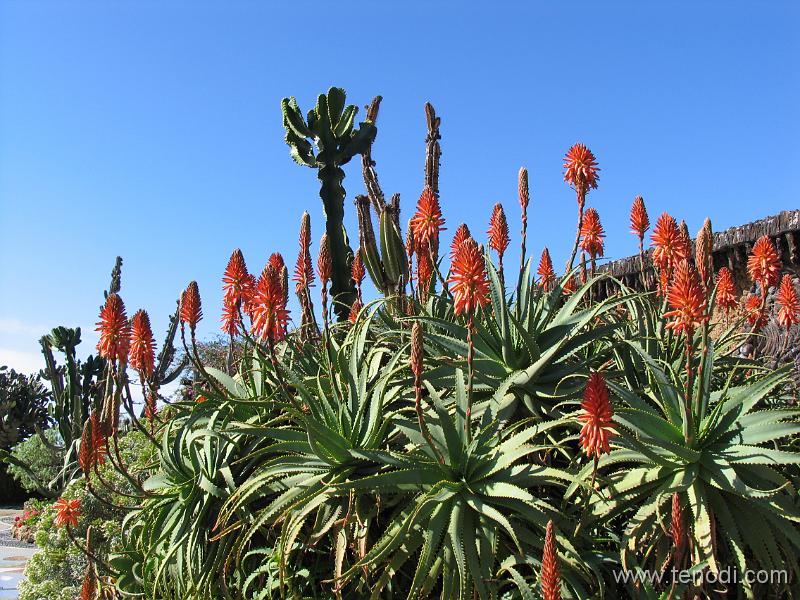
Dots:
{"x": 13, "y": 556}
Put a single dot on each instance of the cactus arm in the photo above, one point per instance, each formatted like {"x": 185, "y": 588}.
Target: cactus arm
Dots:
{"x": 360, "y": 142}
{"x": 335, "y": 100}
{"x": 345, "y": 124}
{"x": 293, "y": 118}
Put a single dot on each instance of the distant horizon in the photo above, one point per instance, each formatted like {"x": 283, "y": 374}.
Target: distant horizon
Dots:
{"x": 121, "y": 138}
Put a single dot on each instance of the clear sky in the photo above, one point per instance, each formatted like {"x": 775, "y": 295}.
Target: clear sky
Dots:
{"x": 152, "y": 130}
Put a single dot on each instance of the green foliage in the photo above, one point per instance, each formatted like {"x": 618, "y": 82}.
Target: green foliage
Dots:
{"x": 23, "y": 407}
{"x": 42, "y": 458}
{"x": 329, "y": 129}
{"x": 57, "y": 570}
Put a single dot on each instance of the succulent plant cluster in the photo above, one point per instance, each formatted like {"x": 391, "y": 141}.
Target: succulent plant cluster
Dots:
{"x": 467, "y": 433}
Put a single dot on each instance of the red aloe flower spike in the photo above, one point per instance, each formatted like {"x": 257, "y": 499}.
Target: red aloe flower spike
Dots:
{"x": 764, "y": 264}
{"x": 597, "y": 416}
{"x": 142, "y": 352}
{"x": 678, "y": 530}
{"x": 640, "y": 221}
{"x": 89, "y": 589}
{"x": 703, "y": 254}
{"x": 324, "y": 268}
{"x": 427, "y": 221}
{"x": 114, "y": 330}
{"x": 462, "y": 233}
{"x": 668, "y": 249}
{"x": 685, "y": 240}
{"x": 550, "y": 576}
{"x": 354, "y": 310}
{"x": 270, "y": 316}
{"x": 424, "y": 274}
{"x": 580, "y": 171}
{"x": 191, "y": 309}
{"x": 231, "y": 320}
{"x": 357, "y": 271}
{"x": 667, "y": 245}
{"x": 592, "y": 234}
{"x": 726, "y": 290}
{"x": 468, "y": 282}
{"x": 94, "y": 443}
{"x": 470, "y": 289}
{"x": 276, "y": 261}
{"x": 236, "y": 281}
{"x": 524, "y": 199}
{"x": 789, "y": 312}
{"x": 756, "y": 316}
{"x": 547, "y": 276}
{"x": 304, "y": 270}
{"x": 498, "y": 233}
{"x": 150, "y": 407}
{"x": 324, "y": 263}
{"x": 67, "y": 512}
{"x": 687, "y": 301}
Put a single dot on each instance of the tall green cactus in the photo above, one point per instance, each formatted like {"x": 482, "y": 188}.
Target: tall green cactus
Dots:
{"x": 328, "y": 127}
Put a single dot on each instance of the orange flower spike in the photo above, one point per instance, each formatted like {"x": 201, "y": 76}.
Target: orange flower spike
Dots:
{"x": 355, "y": 309}
{"x": 498, "y": 231}
{"x": 236, "y": 281}
{"x": 468, "y": 282}
{"x": 324, "y": 261}
{"x": 547, "y": 276}
{"x": 640, "y": 221}
{"x": 756, "y": 317}
{"x": 462, "y": 233}
{"x": 67, "y": 512}
{"x": 580, "y": 169}
{"x": 789, "y": 311}
{"x": 550, "y": 576}
{"x": 191, "y": 309}
{"x": 93, "y": 443}
{"x": 523, "y": 192}
{"x": 114, "y": 330}
{"x": 427, "y": 222}
{"x": 678, "y": 528}
{"x": 424, "y": 275}
{"x": 231, "y": 320}
{"x": 597, "y": 416}
{"x": 142, "y": 352}
{"x": 270, "y": 317}
{"x": 592, "y": 234}
{"x": 276, "y": 261}
{"x": 357, "y": 271}
{"x": 726, "y": 290}
{"x": 704, "y": 253}
{"x": 304, "y": 269}
{"x": 687, "y": 300}
{"x": 764, "y": 264}
{"x": 668, "y": 248}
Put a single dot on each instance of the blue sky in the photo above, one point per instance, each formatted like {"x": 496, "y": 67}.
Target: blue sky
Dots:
{"x": 152, "y": 130}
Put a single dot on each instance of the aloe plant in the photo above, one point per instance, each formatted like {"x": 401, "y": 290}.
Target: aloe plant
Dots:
{"x": 328, "y": 127}
{"x": 743, "y": 511}
{"x": 537, "y": 341}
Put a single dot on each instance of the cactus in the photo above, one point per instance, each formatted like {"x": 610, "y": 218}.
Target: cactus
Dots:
{"x": 385, "y": 256}
{"x": 329, "y": 127}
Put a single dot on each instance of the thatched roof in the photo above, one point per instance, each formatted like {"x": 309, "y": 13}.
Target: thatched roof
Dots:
{"x": 731, "y": 248}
